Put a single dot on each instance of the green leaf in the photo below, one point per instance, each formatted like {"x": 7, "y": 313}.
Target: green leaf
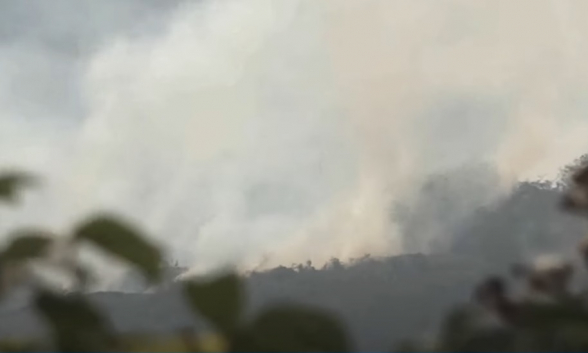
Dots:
{"x": 76, "y": 325}
{"x": 220, "y": 300}
{"x": 11, "y": 183}
{"x": 292, "y": 328}
{"x": 123, "y": 241}
{"x": 27, "y": 245}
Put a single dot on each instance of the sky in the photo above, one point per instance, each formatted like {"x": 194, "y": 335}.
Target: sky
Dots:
{"x": 262, "y": 132}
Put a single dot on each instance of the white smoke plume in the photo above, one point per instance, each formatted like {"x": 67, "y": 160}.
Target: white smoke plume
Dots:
{"x": 283, "y": 131}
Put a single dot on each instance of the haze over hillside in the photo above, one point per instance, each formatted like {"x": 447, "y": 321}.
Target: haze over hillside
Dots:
{"x": 372, "y": 157}
{"x": 381, "y": 300}
{"x": 264, "y": 133}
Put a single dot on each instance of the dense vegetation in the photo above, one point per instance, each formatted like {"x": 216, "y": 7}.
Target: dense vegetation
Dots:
{"x": 370, "y": 303}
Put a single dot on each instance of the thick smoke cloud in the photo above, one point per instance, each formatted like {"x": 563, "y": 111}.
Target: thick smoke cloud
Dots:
{"x": 263, "y": 132}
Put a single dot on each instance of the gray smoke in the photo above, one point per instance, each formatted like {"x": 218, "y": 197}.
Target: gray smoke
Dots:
{"x": 258, "y": 130}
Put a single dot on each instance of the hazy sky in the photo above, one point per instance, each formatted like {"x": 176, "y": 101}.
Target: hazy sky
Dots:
{"x": 282, "y": 130}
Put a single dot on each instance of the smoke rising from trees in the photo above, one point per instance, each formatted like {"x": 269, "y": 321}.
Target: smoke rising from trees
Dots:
{"x": 242, "y": 131}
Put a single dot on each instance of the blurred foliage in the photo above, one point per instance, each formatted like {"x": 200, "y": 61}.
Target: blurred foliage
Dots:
{"x": 219, "y": 300}
{"x": 124, "y": 242}
{"x": 77, "y": 325}
{"x": 547, "y": 315}
{"x": 11, "y": 183}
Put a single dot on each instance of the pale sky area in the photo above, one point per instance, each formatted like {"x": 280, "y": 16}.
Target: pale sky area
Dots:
{"x": 248, "y": 130}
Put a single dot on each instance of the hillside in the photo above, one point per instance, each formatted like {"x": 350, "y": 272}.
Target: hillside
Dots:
{"x": 382, "y": 300}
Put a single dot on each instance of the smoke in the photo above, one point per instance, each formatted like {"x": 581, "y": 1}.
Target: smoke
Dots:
{"x": 276, "y": 132}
